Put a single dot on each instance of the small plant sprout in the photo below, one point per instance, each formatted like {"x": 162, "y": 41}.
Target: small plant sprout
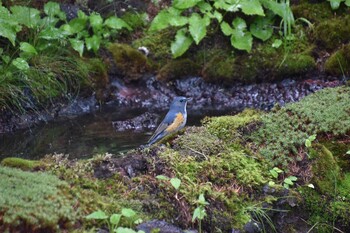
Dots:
{"x": 275, "y": 171}
{"x": 348, "y": 152}
{"x": 200, "y": 212}
{"x": 309, "y": 140}
{"x": 175, "y": 182}
{"x": 289, "y": 181}
{"x": 114, "y": 220}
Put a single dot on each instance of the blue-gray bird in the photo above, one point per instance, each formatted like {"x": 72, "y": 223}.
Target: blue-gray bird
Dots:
{"x": 174, "y": 120}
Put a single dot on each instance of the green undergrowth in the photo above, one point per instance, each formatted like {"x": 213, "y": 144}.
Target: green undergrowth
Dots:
{"x": 338, "y": 64}
{"x": 34, "y": 201}
{"x": 23, "y": 164}
{"x": 284, "y": 131}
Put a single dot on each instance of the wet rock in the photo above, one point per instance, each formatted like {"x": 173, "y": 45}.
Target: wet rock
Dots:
{"x": 129, "y": 166}
{"x": 252, "y": 227}
{"x": 79, "y": 106}
{"x": 158, "y": 226}
{"x": 139, "y": 123}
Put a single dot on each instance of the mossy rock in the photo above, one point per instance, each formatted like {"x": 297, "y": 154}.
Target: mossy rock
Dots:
{"x": 158, "y": 44}
{"x": 221, "y": 67}
{"x": 314, "y": 12}
{"x": 296, "y": 64}
{"x": 98, "y": 73}
{"x": 326, "y": 171}
{"x": 177, "y": 69}
{"x": 281, "y": 134}
{"x": 229, "y": 128}
{"x": 338, "y": 64}
{"x": 34, "y": 202}
{"x": 131, "y": 63}
{"x": 23, "y": 164}
{"x": 332, "y": 33}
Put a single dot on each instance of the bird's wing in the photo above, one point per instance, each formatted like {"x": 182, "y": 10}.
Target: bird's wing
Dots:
{"x": 163, "y": 126}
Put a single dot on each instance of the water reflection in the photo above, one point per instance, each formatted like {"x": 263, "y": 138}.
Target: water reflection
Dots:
{"x": 82, "y": 136}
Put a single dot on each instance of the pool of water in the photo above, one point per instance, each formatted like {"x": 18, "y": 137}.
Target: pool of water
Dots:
{"x": 83, "y": 136}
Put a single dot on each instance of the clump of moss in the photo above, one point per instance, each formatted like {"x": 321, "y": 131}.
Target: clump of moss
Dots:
{"x": 158, "y": 44}
{"x": 198, "y": 142}
{"x": 23, "y": 164}
{"x": 228, "y": 128}
{"x": 334, "y": 32}
{"x": 99, "y": 77}
{"x": 338, "y": 64}
{"x": 130, "y": 62}
{"x": 34, "y": 201}
{"x": 325, "y": 169}
{"x": 176, "y": 69}
{"x": 283, "y": 132}
{"x": 296, "y": 64}
{"x": 221, "y": 67}
{"x": 314, "y": 12}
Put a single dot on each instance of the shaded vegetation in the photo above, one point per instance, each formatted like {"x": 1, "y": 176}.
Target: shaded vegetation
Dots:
{"x": 34, "y": 201}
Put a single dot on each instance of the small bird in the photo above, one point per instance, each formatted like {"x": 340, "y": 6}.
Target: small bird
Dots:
{"x": 174, "y": 120}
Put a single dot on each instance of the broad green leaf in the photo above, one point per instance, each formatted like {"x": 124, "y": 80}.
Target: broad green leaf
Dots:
{"x": 77, "y": 25}
{"x": 335, "y": 4}
{"x": 67, "y": 30}
{"x": 52, "y": 8}
{"x": 233, "y": 6}
{"x": 161, "y": 21}
{"x": 124, "y": 230}
{"x": 312, "y": 137}
{"x": 178, "y": 21}
{"x": 242, "y": 40}
{"x": 286, "y": 186}
{"x": 29, "y": 17}
{"x": 252, "y": 7}
{"x": 277, "y": 170}
{"x": 82, "y": 15}
{"x": 96, "y": 21}
{"x": 277, "y": 43}
{"x": 185, "y": 4}
{"x": 218, "y": 16}
{"x": 239, "y": 24}
{"x": 77, "y": 45}
{"x": 97, "y": 215}
{"x": 226, "y": 28}
{"x": 51, "y": 33}
{"x": 93, "y": 43}
{"x": 262, "y": 28}
{"x": 201, "y": 200}
{"x": 20, "y": 63}
{"x": 28, "y": 48}
{"x": 162, "y": 177}
{"x": 347, "y": 3}
{"x": 198, "y": 27}
{"x": 175, "y": 182}
{"x": 274, "y": 173}
{"x": 307, "y": 143}
{"x": 116, "y": 23}
{"x": 8, "y": 25}
{"x": 288, "y": 181}
{"x": 115, "y": 218}
{"x": 204, "y": 7}
{"x": 129, "y": 213}
{"x": 293, "y": 178}
{"x": 181, "y": 43}
{"x": 196, "y": 214}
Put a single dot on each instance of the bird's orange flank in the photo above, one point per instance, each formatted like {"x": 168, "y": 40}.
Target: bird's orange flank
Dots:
{"x": 179, "y": 119}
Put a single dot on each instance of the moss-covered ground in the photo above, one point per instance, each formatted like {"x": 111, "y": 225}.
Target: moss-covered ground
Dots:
{"x": 228, "y": 159}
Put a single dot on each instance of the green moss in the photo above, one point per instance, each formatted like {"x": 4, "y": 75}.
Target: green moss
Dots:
{"x": 22, "y": 164}
{"x": 326, "y": 171}
{"x": 158, "y": 43}
{"x": 227, "y": 127}
{"x": 176, "y": 69}
{"x": 33, "y": 201}
{"x": 333, "y": 33}
{"x": 296, "y": 64}
{"x": 99, "y": 77}
{"x": 136, "y": 20}
{"x": 338, "y": 64}
{"x": 314, "y": 12}
{"x": 130, "y": 62}
{"x": 220, "y": 68}
{"x": 281, "y": 133}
